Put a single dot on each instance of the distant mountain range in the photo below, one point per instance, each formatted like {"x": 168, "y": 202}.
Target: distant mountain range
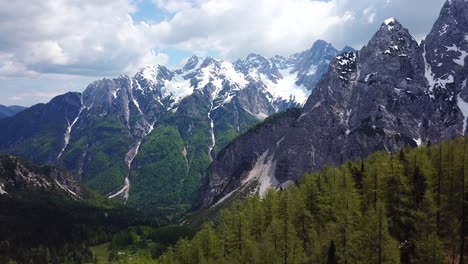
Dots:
{"x": 149, "y": 139}
{"x": 392, "y": 93}
{"x": 7, "y": 111}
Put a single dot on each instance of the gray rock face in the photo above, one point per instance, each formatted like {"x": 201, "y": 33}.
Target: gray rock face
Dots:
{"x": 390, "y": 94}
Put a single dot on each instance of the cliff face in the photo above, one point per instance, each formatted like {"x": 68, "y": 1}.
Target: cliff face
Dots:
{"x": 392, "y": 93}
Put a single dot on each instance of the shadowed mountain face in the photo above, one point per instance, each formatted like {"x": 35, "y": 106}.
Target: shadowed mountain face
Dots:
{"x": 149, "y": 139}
{"x": 392, "y": 93}
{"x": 18, "y": 176}
{"x": 7, "y": 111}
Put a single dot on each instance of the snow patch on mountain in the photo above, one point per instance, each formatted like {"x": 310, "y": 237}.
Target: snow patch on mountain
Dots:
{"x": 286, "y": 87}
{"x": 2, "y": 191}
{"x": 129, "y": 157}
{"x": 429, "y": 74}
{"x": 463, "y": 106}
{"x": 74, "y": 195}
{"x": 213, "y": 138}
{"x": 460, "y": 60}
{"x": 390, "y": 23}
{"x": 443, "y": 30}
{"x": 233, "y": 76}
{"x": 149, "y": 72}
{"x": 177, "y": 88}
{"x": 69, "y": 128}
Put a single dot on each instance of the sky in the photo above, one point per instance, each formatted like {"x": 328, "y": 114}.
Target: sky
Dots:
{"x": 49, "y": 47}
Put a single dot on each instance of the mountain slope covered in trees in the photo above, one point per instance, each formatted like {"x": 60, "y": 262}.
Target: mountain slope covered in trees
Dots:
{"x": 405, "y": 207}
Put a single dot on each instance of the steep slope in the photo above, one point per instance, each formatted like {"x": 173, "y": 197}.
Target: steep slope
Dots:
{"x": 380, "y": 98}
{"x": 7, "y": 111}
{"x": 107, "y": 135}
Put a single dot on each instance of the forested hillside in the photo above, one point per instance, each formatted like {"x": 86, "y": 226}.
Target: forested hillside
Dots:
{"x": 405, "y": 207}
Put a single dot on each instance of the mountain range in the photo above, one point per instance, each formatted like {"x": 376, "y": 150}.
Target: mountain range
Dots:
{"x": 162, "y": 140}
{"x": 356, "y": 143}
{"x": 394, "y": 92}
{"x": 7, "y": 111}
{"x": 148, "y": 139}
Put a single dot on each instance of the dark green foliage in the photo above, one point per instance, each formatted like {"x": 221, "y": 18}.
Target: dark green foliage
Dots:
{"x": 98, "y": 151}
{"x": 39, "y": 227}
{"x": 169, "y": 235}
{"x": 159, "y": 173}
{"x": 406, "y": 207}
{"x": 143, "y": 244}
{"x": 173, "y": 159}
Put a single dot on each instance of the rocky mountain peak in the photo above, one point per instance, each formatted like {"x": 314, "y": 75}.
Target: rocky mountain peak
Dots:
{"x": 393, "y": 50}
{"x": 393, "y": 39}
{"x": 192, "y": 63}
{"x": 446, "y": 51}
{"x": 256, "y": 59}
{"x": 154, "y": 74}
{"x": 453, "y": 22}
{"x": 321, "y": 50}
{"x": 347, "y": 49}
{"x": 209, "y": 61}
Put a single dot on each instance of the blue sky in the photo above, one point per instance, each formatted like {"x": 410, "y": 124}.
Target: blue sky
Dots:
{"x": 148, "y": 11}
{"x": 55, "y": 46}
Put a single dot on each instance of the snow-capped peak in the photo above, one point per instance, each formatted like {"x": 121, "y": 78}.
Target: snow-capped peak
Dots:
{"x": 256, "y": 59}
{"x": 192, "y": 63}
{"x": 390, "y": 23}
{"x": 154, "y": 75}
{"x": 210, "y": 61}
{"x": 148, "y": 72}
{"x": 281, "y": 81}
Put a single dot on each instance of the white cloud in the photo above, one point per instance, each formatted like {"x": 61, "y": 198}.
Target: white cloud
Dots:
{"x": 173, "y": 5}
{"x": 73, "y": 37}
{"x": 99, "y": 38}
{"x": 236, "y": 28}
